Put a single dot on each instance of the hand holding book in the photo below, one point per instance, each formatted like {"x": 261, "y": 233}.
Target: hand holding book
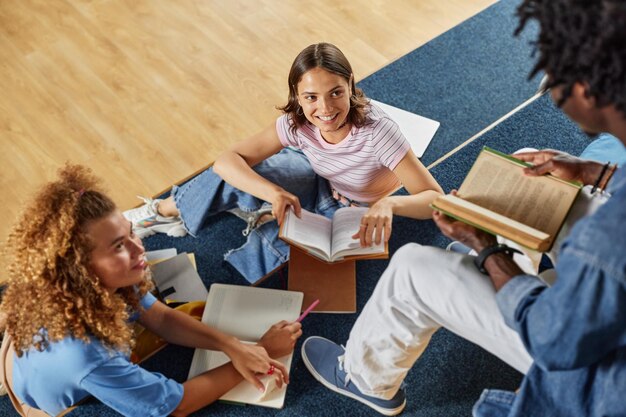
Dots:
{"x": 464, "y": 233}
{"x": 330, "y": 239}
{"x": 375, "y": 225}
{"x": 283, "y": 201}
{"x": 468, "y": 235}
{"x": 567, "y": 167}
{"x": 498, "y": 197}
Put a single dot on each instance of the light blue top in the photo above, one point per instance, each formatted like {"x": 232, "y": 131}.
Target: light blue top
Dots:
{"x": 575, "y": 331}
{"x": 606, "y": 148}
{"x": 70, "y": 370}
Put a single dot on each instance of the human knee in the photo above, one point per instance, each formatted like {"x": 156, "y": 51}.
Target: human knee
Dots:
{"x": 415, "y": 263}
{"x": 414, "y": 255}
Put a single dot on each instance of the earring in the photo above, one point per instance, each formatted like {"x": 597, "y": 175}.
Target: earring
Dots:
{"x": 299, "y": 111}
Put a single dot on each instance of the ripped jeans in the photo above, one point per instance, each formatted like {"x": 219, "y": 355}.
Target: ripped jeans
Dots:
{"x": 208, "y": 194}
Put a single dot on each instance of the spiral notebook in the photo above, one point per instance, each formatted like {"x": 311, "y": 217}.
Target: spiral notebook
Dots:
{"x": 246, "y": 313}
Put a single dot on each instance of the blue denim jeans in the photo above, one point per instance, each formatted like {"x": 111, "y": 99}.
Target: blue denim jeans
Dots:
{"x": 208, "y": 194}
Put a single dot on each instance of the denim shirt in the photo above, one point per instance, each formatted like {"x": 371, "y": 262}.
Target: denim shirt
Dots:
{"x": 575, "y": 331}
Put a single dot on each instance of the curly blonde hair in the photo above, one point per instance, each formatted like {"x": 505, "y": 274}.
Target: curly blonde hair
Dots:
{"x": 51, "y": 292}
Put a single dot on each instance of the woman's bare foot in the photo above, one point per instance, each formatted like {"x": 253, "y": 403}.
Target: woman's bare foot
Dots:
{"x": 167, "y": 207}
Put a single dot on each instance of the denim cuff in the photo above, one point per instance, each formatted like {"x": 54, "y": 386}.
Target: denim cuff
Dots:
{"x": 513, "y": 293}
{"x": 494, "y": 403}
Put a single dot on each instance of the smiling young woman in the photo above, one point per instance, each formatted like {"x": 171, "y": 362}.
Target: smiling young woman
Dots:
{"x": 324, "y": 98}
{"x": 330, "y": 148}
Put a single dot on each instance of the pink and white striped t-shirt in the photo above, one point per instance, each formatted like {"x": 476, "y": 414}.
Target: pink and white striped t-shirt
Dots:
{"x": 359, "y": 167}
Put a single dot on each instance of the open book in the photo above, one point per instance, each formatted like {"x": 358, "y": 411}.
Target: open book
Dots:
{"x": 330, "y": 239}
{"x": 497, "y": 197}
{"x": 246, "y": 313}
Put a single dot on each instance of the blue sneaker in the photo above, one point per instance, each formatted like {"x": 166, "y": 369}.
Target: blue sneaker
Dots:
{"x": 324, "y": 359}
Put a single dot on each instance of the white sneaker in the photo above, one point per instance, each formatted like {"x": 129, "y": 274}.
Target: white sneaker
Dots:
{"x": 147, "y": 221}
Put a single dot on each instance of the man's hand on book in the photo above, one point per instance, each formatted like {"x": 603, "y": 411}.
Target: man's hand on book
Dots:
{"x": 375, "y": 224}
{"x": 501, "y": 267}
{"x": 253, "y": 360}
{"x": 560, "y": 164}
{"x": 463, "y": 232}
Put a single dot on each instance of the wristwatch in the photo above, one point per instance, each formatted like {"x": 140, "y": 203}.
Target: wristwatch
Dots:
{"x": 479, "y": 261}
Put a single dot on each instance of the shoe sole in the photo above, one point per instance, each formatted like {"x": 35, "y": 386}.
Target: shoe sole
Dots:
{"x": 332, "y": 387}
{"x": 142, "y": 232}
{"x": 177, "y": 231}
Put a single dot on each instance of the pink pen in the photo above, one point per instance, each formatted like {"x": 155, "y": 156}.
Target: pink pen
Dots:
{"x": 308, "y": 310}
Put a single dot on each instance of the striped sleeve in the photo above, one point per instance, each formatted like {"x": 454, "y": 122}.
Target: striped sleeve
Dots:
{"x": 286, "y": 136}
{"x": 390, "y": 145}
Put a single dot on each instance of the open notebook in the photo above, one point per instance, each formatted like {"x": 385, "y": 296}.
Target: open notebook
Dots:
{"x": 246, "y": 313}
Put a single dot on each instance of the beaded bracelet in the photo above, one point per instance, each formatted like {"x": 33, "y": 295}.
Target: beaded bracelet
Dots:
{"x": 604, "y": 168}
{"x": 607, "y": 177}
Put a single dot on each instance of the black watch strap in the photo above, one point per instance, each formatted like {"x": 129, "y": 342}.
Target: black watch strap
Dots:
{"x": 479, "y": 260}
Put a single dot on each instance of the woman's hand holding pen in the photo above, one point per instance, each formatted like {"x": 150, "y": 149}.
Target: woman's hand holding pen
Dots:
{"x": 252, "y": 361}
{"x": 278, "y": 341}
{"x": 375, "y": 224}
{"x": 281, "y": 338}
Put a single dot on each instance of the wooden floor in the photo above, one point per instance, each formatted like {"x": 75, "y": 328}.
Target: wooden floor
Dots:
{"x": 147, "y": 92}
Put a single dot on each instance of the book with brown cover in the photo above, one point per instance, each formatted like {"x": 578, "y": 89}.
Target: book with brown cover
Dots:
{"x": 497, "y": 197}
{"x": 333, "y": 284}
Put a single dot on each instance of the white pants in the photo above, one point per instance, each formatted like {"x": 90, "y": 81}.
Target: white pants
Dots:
{"x": 423, "y": 289}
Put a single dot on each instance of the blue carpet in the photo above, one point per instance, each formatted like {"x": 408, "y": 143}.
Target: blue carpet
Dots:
{"x": 467, "y": 78}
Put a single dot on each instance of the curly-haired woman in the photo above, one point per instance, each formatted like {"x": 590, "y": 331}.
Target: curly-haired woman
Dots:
{"x": 348, "y": 152}
{"x": 77, "y": 279}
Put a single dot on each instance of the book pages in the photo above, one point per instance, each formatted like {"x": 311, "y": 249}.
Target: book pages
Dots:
{"x": 311, "y": 230}
{"x": 498, "y": 184}
{"x": 330, "y": 240}
{"x": 346, "y": 222}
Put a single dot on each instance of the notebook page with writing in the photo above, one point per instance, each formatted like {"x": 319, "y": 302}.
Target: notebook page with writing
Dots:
{"x": 246, "y": 313}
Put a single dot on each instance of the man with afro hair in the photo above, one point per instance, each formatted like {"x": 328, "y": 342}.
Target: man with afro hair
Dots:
{"x": 568, "y": 339}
